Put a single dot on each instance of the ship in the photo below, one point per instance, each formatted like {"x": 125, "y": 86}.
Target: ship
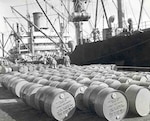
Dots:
{"x": 128, "y": 48}
{"x": 37, "y": 39}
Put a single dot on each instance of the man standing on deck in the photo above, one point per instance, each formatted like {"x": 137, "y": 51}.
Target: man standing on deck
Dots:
{"x": 66, "y": 60}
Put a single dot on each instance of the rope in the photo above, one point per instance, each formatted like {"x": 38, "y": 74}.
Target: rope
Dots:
{"x": 132, "y": 11}
{"x": 145, "y": 11}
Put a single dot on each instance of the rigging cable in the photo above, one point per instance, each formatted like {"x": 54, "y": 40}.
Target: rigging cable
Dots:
{"x": 145, "y": 11}
{"x": 132, "y": 11}
{"x": 19, "y": 21}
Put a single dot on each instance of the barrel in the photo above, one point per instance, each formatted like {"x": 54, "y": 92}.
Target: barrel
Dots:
{"x": 40, "y": 97}
{"x": 54, "y": 83}
{"x": 19, "y": 86}
{"x": 77, "y": 90}
{"x": 24, "y": 91}
{"x": 59, "y": 104}
{"x": 5, "y": 80}
{"x": 139, "y": 100}
{"x": 30, "y": 78}
{"x": 93, "y": 95}
{"x": 111, "y": 104}
{"x": 35, "y": 80}
{"x": 30, "y": 95}
{"x": 116, "y": 84}
{"x": 87, "y": 94}
{"x": 123, "y": 87}
{"x": 140, "y": 78}
{"x": 126, "y": 80}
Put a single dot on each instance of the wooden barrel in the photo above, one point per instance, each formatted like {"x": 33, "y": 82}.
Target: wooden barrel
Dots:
{"x": 139, "y": 100}
{"x": 111, "y": 104}
{"x": 59, "y": 104}
{"x": 77, "y": 90}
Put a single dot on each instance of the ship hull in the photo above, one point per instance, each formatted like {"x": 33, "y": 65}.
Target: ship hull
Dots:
{"x": 132, "y": 50}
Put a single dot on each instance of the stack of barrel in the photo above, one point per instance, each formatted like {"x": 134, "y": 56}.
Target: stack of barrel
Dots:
{"x": 98, "y": 88}
{"x": 56, "y": 102}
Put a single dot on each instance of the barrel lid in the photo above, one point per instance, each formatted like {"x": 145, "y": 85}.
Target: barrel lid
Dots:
{"x": 63, "y": 106}
{"x": 115, "y": 106}
{"x": 139, "y": 100}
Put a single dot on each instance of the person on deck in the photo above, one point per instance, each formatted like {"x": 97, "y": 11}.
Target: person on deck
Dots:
{"x": 52, "y": 62}
{"x": 66, "y": 60}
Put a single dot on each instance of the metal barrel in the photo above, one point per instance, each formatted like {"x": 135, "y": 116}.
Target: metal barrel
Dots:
{"x": 93, "y": 95}
{"x": 67, "y": 85}
{"x": 124, "y": 79}
{"x": 24, "y": 91}
{"x": 30, "y": 95}
{"x": 59, "y": 104}
{"x": 30, "y": 78}
{"x": 40, "y": 97}
{"x": 140, "y": 78}
{"x": 77, "y": 90}
{"x": 111, "y": 104}
{"x": 123, "y": 87}
{"x": 116, "y": 84}
{"x": 54, "y": 83}
{"x": 19, "y": 86}
{"x": 139, "y": 100}
{"x": 35, "y": 80}
{"x": 5, "y": 80}
{"x": 87, "y": 94}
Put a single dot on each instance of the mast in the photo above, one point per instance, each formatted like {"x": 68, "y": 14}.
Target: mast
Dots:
{"x": 140, "y": 14}
{"x": 3, "y": 47}
{"x": 120, "y": 14}
{"x": 30, "y": 31}
{"x": 95, "y": 26}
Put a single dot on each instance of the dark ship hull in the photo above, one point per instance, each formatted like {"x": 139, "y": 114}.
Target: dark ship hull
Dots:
{"x": 132, "y": 50}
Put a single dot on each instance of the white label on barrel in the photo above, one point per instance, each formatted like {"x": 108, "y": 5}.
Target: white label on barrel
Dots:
{"x": 115, "y": 106}
{"x": 63, "y": 107}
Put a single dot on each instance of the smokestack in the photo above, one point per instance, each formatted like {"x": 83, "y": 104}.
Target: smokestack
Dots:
{"x": 37, "y": 19}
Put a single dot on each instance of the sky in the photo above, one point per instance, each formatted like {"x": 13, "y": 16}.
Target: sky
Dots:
{"x": 131, "y": 9}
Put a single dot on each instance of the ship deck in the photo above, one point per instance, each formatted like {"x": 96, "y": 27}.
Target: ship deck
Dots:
{"x": 14, "y": 109}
